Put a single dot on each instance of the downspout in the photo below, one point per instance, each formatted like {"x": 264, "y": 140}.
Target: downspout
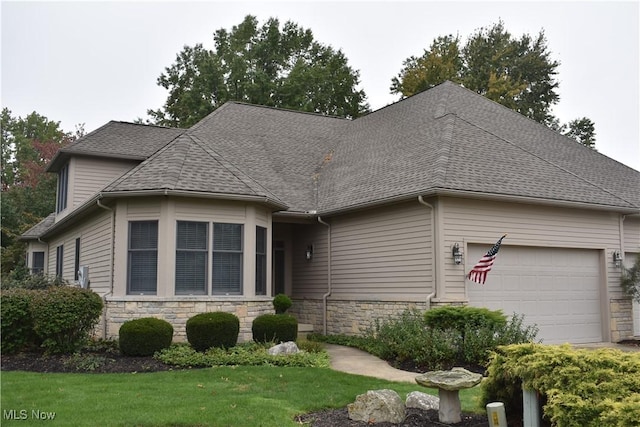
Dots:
{"x": 113, "y": 236}
{"x": 328, "y": 294}
{"x": 433, "y": 251}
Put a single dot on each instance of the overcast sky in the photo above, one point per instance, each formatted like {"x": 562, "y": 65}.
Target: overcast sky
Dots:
{"x": 91, "y": 62}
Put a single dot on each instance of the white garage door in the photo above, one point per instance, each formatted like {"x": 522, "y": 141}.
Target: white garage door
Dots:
{"x": 557, "y": 289}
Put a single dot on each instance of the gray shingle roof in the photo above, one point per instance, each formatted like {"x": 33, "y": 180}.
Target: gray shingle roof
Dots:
{"x": 37, "y": 230}
{"x": 119, "y": 140}
{"x": 442, "y": 140}
{"x": 449, "y": 138}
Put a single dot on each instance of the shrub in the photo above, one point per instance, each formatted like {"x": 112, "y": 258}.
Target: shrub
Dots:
{"x": 216, "y": 329}
{"x": 145, "y": 336}
{"x": 33, "y": 281}
{"x": 460, "y": 318}
{"x": 274, "y": 327}
{"x": 407, "y": 339}
{"x": 281, "y": 303}
{"x": 583, "y": 388}
{"x": 16, "y": 326}
{"x": 64, "y": 316}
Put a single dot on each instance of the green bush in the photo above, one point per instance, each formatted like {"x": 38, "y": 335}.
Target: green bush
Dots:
{"x": 281, "y": 303}
{"x": 582, "y": 388}
{"x": 216, "y": 329}
{"x": 460, "y": 318}
{"x": 145, "y": 336}
{"x": 274, "y": 327}
{"x": 64, "y": 316}
{"x": 16, "y": 324}
{"x": 33, "y": 281}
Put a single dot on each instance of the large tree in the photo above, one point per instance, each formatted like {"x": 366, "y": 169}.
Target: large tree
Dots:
{"x": 28, "y": 193}
{"x": 518, "y": 73}
{"x": 266, "y": 65}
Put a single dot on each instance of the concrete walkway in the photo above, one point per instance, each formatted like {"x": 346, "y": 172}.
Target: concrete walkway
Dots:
{"x": 354, "y": 361}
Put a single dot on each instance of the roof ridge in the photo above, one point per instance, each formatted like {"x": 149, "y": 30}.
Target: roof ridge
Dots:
{"x": 518, "y": 146}
{"x": 238, "y": 173}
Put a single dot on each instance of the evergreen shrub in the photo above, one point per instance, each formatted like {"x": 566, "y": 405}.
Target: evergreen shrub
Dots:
{"x": 64, "y": 316}
{"x": 460, "y": 318}
{"x": 274, "y": 327}
{"x": 582, "y": 388}
{"x": 281, "y": 303}
{"x": 16, "y": 327}
{"x": 145, "y": 336}
{"x": 215, "y": 329}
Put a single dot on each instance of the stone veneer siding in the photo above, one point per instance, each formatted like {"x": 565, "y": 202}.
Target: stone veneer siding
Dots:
{"x": 178, "y": 310}
{"x": 346, "y": 316}
{"x": 621, "y": 321}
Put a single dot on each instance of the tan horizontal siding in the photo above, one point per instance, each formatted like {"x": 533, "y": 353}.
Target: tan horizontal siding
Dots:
{"x": 210, "y": 210}
{"x": 469, "y": 221}
{"x": 383, "y": 253}
{"x": 309, "y": 277}
{"x": 631, "y": 234}
{"x": 92, "y": 175}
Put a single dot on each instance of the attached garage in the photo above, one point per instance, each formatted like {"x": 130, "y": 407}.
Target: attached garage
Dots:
{"x": 558, "y": 289}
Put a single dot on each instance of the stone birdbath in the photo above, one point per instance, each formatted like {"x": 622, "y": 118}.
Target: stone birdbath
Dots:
{"x": 449, "y": 383}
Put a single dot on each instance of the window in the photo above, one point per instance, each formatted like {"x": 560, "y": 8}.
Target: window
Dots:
{"x": 76, "y": 263}
{"x": 37, "y": 263}
{"x": 261, "y": 261}
{"x": 63, "y": 182}
{"x": 227, "y": 259}
{"x": 142, "y": 270}
{"x": 191, "y": 257}
{"x": 59, "y": 260}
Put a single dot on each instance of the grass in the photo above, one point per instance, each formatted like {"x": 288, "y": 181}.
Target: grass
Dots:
{"x": 223, "y": 396}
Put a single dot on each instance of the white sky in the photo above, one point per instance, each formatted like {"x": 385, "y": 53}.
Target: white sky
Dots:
{"x": 91, "y": 62}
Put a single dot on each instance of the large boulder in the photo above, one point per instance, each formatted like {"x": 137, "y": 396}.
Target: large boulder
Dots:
{"x": 288, "y": 347}
{"x": 377, "y": 406}
{"x": 417, "y": 399}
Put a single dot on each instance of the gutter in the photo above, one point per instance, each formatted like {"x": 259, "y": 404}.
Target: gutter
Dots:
{"x": 329, "y": 289}
{"x": 111, "y": 284}
{"x": 433, "y": 251}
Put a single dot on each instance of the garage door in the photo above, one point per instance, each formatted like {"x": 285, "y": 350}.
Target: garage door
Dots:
{"x": 557, "y": 289}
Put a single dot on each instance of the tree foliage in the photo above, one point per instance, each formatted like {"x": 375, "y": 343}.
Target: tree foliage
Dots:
{"x": 518, "y": 73}
{"x": 265, "y": 65}
{"x": 28, "y": 193}
{"x": 630, "y": 280}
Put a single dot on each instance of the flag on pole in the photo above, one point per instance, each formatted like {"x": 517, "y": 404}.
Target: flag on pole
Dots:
{"x": 479, "y": 271}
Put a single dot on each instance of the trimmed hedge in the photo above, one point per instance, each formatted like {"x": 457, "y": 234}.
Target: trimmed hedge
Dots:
{"x": 216, "y": 329}
{"x": 64, "y": 316}
{"x": 145, "y": 336}
{"x": 583, "y": 388}
{"x": 16, "y": 327}
{"x": 274, "y": 327}
{"x": 281, "y": 303}
{"x": 460, "y": 318}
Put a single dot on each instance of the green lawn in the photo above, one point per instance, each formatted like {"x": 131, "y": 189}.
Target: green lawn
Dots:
{"x": 223, "y": 396}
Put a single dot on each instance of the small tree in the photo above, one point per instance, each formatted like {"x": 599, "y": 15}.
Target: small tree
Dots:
{"x": 630, "y": 280}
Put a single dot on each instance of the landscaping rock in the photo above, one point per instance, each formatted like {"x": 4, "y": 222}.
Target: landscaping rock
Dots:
{"x": 288, "y": 347}
{"x": 377, "y": 406}
{"x": 417, "y": 399}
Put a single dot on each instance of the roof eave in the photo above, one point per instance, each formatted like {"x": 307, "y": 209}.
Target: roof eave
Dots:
{"x": 626, "y": 210}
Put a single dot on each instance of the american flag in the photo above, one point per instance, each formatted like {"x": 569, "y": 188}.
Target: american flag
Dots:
{"x": 479, "y": 271}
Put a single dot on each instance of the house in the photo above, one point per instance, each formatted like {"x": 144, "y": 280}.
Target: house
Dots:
{"x": 356, "y": 220}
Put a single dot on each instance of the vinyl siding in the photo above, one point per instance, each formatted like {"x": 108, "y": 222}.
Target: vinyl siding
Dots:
{"x": 309, "y": 277}
{"x": 95, "y": 246}
{"x": 481, "y": 222}
{"x": 631, "y": 234}
{"x": 382, "y": 254}
{"x": 92, "y": 175}
{"x": 208, "y": 210}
